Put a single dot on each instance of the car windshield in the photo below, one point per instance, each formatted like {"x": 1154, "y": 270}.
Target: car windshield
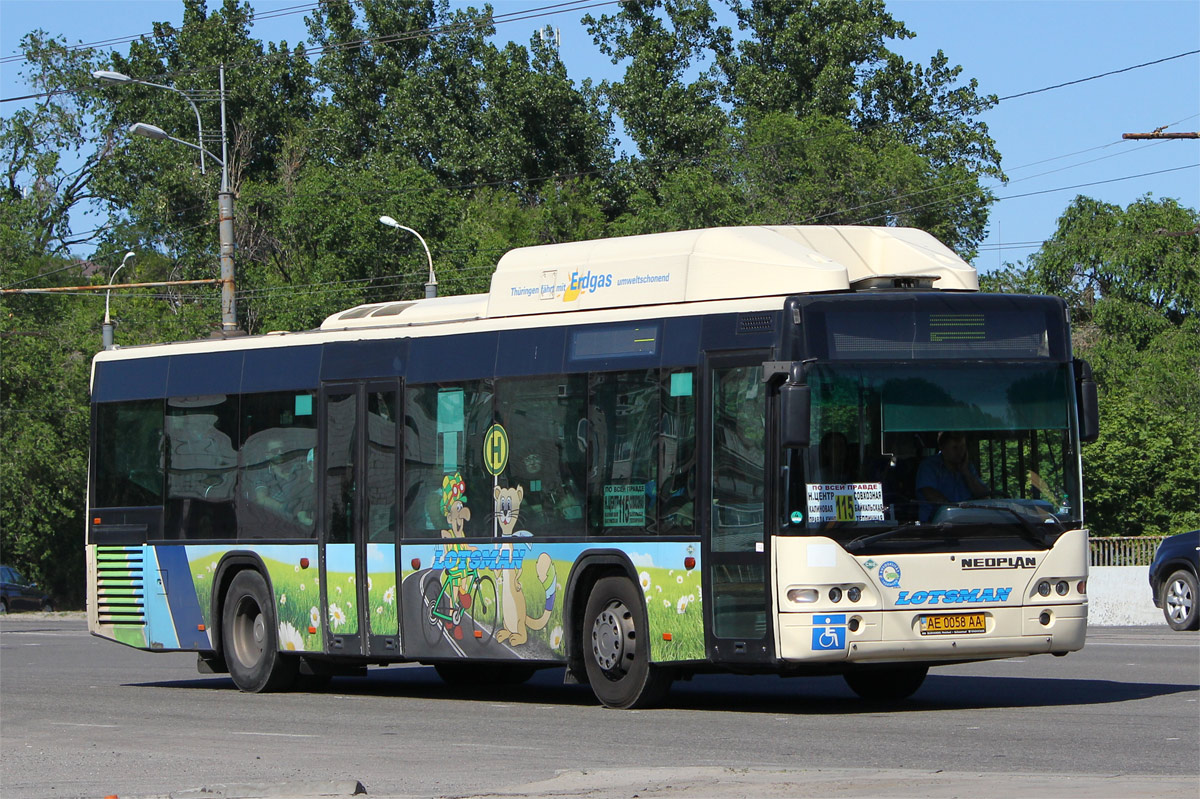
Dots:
{"x": 935, "y": 453}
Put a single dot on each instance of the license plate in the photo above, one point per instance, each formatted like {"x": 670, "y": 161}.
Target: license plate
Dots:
{"x": 953, "y": 624}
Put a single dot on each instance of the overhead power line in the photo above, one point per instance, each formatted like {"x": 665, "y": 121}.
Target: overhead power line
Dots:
{"x": 113, "y": 42}
{"x": 1026, "y": 194}
{"x": 1101, "y": 75}
{"x": 494, "y": 19}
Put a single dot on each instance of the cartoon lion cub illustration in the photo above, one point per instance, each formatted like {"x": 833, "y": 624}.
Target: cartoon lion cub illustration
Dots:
{"x": 516, "y": 620}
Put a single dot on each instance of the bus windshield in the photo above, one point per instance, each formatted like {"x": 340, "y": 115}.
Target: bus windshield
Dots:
{"x": 946, "y": 452}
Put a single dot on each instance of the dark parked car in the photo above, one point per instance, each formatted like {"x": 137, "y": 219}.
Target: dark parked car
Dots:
{"x": 17, "y": 593}
{"x": 1173, "y": 579}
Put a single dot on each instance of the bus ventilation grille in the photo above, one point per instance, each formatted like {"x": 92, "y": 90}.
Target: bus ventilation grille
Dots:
{"x": 120, "y": 585}
{"x": 755, "y": 323}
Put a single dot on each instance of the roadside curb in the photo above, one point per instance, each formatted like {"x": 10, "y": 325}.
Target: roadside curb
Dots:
{"x": 294, "y": 790}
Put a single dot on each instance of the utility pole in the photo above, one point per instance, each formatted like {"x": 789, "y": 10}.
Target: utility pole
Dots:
{"x": 224, "y": 196}
{"x": 225, "y": 213}
{"x": 1158, "y": 133}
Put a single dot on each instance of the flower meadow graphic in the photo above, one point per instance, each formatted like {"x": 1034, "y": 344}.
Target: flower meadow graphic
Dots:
{"x": 673, "y": 606}
{"x": 673, "y": 596}
{"x": 297, "y": 597}
{"x": 290, "y": 639}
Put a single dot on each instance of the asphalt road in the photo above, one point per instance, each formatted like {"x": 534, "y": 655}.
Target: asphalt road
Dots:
{"x": 84, "y": 717}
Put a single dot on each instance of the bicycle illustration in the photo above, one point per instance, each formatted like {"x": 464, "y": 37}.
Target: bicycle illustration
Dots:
{"x": 459, "y": 614}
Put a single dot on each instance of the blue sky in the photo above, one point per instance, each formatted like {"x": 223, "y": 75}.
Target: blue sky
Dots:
{"x": 1066, "y": 137}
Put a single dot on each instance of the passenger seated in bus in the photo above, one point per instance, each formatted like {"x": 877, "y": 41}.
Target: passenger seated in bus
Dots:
{"x": 949, "y": 476}
{"x": 836, "y": 459}
{"x": 897, "y": 471}
{"x": 285, "y": 486}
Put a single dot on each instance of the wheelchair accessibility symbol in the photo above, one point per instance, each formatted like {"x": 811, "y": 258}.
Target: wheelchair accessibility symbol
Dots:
{"x": 829, "y": 632}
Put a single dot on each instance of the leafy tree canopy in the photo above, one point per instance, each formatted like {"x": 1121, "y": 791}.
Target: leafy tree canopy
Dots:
{"x": 408, "y": 108}
{"x": 1131, "y": 277}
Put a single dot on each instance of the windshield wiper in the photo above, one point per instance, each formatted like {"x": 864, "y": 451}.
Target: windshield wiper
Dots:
{"x": 862, "y": 542}
{"x": 1033, "y": 531}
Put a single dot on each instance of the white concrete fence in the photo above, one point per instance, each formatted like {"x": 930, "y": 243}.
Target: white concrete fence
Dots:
{"x": 1119, "y": 582}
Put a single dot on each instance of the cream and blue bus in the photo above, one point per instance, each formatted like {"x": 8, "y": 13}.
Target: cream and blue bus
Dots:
{"x": 788, "y": 450}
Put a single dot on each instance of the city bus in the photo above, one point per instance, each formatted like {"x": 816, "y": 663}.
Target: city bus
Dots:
{"x": 637, "y": 459}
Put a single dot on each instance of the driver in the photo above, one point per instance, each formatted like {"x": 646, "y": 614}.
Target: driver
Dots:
{"x": 948, "y": 477}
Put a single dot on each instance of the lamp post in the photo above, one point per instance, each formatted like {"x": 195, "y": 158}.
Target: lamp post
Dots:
{"x": 119, "y": 78}
{"x": 224, "y": 207}
{"x": 106, "y": 335}
{"x": 431, "y": 286}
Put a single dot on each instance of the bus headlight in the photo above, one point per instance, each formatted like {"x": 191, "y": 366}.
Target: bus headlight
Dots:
{"x": 801, "y": 595}
{"x": 1062, "y": 588}
{"x": 1044, "y": 588}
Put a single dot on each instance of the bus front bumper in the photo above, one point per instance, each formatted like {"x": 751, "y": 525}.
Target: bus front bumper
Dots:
{"x": 896, "y": 635}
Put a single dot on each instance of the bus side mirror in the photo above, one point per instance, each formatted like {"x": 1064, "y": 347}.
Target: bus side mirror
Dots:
{"x": 1085, "y": 399}
{"x": 795, "y": 405}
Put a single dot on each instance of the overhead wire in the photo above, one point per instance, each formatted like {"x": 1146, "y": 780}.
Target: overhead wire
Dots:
{"x": 1027, "y": 194}
{"x": 316, "y": 52}
{"x": 112, "y": 42}
{"x": 494, "y": 19}
{"x": 584, "y": 4}
{"x": 1095, "y": 77}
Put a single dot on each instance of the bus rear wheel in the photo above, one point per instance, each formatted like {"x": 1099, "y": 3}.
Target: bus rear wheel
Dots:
{"x": 886, "y": 685}
{"x": 615, "y": 643}
{"x": 251, "y": 639}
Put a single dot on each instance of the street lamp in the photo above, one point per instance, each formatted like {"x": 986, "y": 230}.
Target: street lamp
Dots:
{"x": 119, "y": 78}
{"x": 107, "y": 329}
{"x": 155, "y": 132}
{"x": 431, "y": 286}
{"x": 224, "y": 196}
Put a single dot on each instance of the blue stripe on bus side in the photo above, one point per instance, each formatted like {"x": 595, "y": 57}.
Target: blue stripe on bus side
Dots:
{"x": 507, "y": 353}
{"x": 181, "y": 596}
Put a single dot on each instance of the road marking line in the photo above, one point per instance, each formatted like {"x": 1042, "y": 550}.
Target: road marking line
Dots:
{"x": 275, "y": 734}
{"x": 77, "y": 724}
{"x": 1142, "y": 646}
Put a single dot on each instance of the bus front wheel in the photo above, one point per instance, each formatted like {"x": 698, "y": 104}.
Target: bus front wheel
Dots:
{"x": 616, "y": 647}
{"x": 250, "y": 637}
{"x": 886, "y": 685}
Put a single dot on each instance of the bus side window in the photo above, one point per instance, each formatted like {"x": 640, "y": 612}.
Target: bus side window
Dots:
{"x": 129, "y": 454}
{"x": 277, "y": 493}
{"x": 447, "y": 489}
{"x": 544, "y": 477}
{"x": 202, "y": 466}
{"x": 677, "y": 453}
{"x": 624, "y": 417}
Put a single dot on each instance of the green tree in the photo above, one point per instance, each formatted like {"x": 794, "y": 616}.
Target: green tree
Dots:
{"x": 1146, "y": 253}
{"x": 808, "y": 118}
{"x": 46, "y": 342}
{"x": 669, "y": 95}
{"x": 1131, "y": 281}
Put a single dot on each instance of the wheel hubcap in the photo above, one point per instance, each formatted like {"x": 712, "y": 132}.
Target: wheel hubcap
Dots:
{"x": 611, "y": 631}
{"x": 250, "y": 633}
{"x": 1179, "y": 600}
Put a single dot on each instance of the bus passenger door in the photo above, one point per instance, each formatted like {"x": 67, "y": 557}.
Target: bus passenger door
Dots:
{"x": 360, "y": 517}
{"x": 736, "y": 595}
